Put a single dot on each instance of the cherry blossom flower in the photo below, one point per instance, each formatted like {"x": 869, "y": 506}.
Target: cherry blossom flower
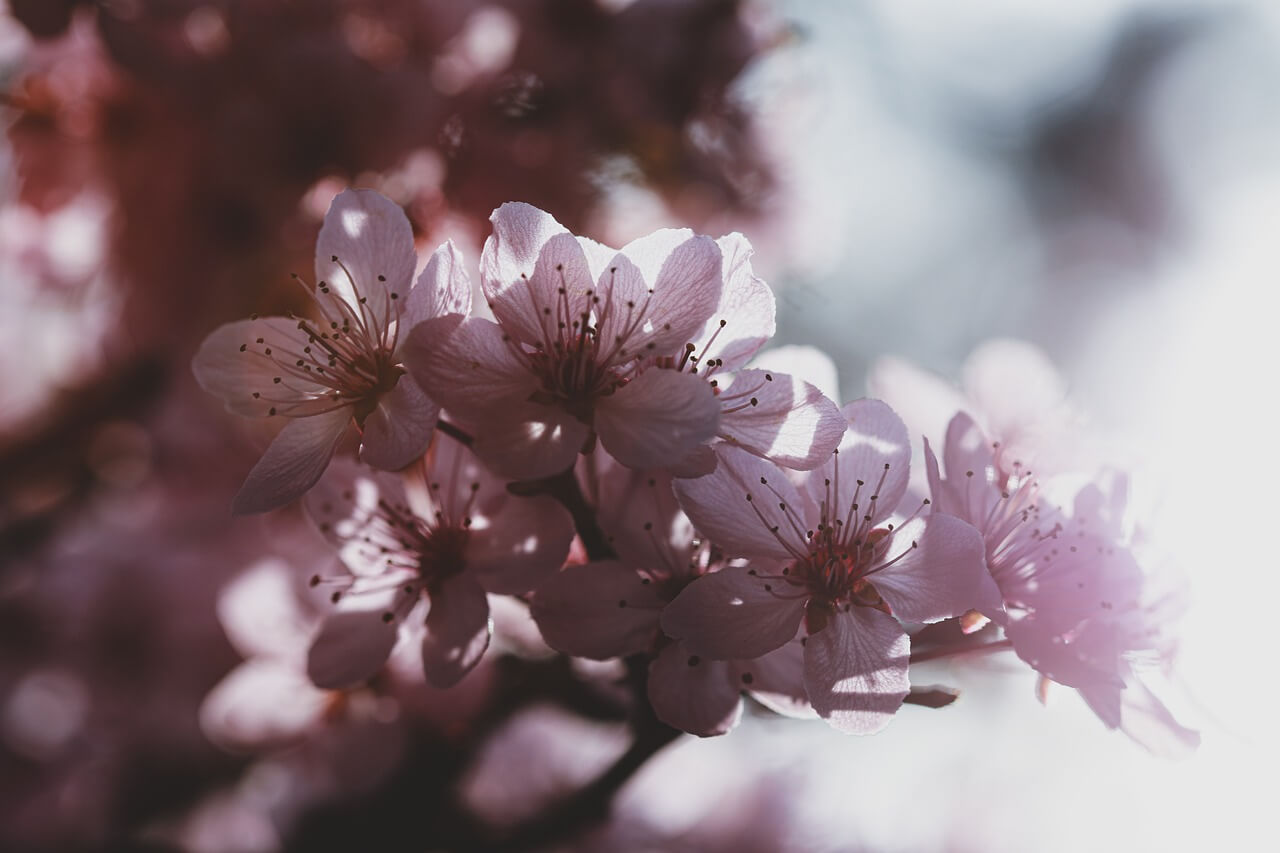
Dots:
{"x": 620, "y": 345}
{"x": 1080, "y": 607}
{"x": 562, "y": 363}
{"x": 1009, "y": 387}
{"x": 437, "y": 539}
{"x": 611, "y": 608}
{"x": 828, "y": 554}
{"x": 344, "y": 362}
{"x": 267, "y": 701}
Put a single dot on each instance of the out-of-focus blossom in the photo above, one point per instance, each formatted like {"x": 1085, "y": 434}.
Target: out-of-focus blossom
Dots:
{"x": 442, "y": 537}
{"x": 1009, "y": 387}
{"x": 1080, "y": 608}
{"x": 267, "y": 701}
{"x": 829, "y": 554}
{"x": 58, "y": 308}
{"x": 344, "y": 362}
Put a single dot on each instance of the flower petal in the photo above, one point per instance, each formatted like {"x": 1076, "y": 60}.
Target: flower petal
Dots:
{"x": 924, "y": 401}
{"x": 534, "y": 273}
{"x": 292, "y": 463}
{"x": 876, "y": 451}
{"x": 458, "y": 630}
{"x": 855, "y": 670}
{"x": 776, "y": 680}
{"x": 967, "y": 449}
{"x": 693, "y": 694}
{"x": 942, "y": 574}
{"x": 345, "y": 507}
{"x": 638, "y": 512}
{"x": 528, "y": 441}
{"x": 1141, "y": 715}
{"x": 598, "y": 610}
{"x": 260, "y": 611}
{"x": 1013, "y": 384}
{"x": 443, "y": 290}
{"x": 734, "y": 613}
{"x": 742, "y": 515}
{"x": 471, "y": 369}
{"x": 658, "y": 292}
{"x": 373, "y": 242}
{"x": 808, "y": 363}
{"x": 354, "y": 641}
{"x": 744, "y": 318}
{"x": 399, "y": 429}
{"x": 519, "y": 542}
{"x": 780, "y": 418}
{"x": 240, "y": 363}
{"x": 262, "y": 704}
{"x": 657, "y": 418}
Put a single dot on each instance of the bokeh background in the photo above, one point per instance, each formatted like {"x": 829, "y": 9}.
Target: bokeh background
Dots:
{"x": 1101, "y": 178}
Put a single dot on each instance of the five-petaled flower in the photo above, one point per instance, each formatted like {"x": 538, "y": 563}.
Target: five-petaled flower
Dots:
{"x": 1080, "y": 607}
{"x": 343, "y": 361}
{"x": 621, "y": 345}
{"x": 829, "y": 556}
{"x": 440, "y": 536}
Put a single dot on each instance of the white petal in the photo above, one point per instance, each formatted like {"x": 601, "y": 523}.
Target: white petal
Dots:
{"x": 855, "y": 670}
{"x": 519, "y": 542}
{"x": 734, "y": 613}
{"x": 776, "y": 680}
{"x": 470, "y": 371}
{"x": 693, "y": 694}
{"x": 658, "y": 292}
{"x": 657, "y": 418}
{"x": 942, "y": 575}
{"x": 534, "y": 273}
{"x": 260, "y": 611}
{"x": 746, "y": 307}
{"x": 924, "y": 401}
{"x": 598, "y": 610}
{"x": 293, "y": 462}
{"x": 808, "y": 363}
{"x": 398, "y": 431}
{"x": 353, "y": 643}
{"x": 373, "y": 242}
{"x": 262, "y": 704}
{"x": 240, "y": 363}
{"x": 458, "y": 630}
{"x": 1013, "y": 384}
{"x": 526, "y": 440}
{"x": 443, "y": 289}
{"x": 875, "y": 450}
{"x": 790, "y": 422}
{"x": 742, "y": 515}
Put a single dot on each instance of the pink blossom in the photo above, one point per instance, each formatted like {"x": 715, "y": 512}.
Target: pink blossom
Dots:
{"x": 267, "y": 701}
{"x": 828, "y": 554}
{"x": 1080, "y": 607}
{"x": 612, "y": 608}
{"x": 345, "y": 361}
{"x": 621, "y": 345}
{"x": 1009, "y": 387}
{"x": 437, "y": 539}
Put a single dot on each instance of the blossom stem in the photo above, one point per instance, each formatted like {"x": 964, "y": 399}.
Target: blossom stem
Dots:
{"x": 955, "y": 651}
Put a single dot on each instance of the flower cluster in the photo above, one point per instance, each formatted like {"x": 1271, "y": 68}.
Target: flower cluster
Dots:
{"x": 612, "y": 450}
